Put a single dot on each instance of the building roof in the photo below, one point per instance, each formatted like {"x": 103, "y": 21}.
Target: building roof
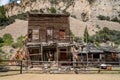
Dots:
{"x": 94, "y": 49}
{"x": 91, "y": 49}
{"x": 109, "y": 49}
{"x": 36, "y": 14}
{"x": 38, "y": 44}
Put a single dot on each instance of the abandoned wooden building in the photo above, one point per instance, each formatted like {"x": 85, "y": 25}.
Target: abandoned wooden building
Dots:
{"x": 94, "y": 53}
{"x": 49, "y": 40}
{"x": 49, "y": 37}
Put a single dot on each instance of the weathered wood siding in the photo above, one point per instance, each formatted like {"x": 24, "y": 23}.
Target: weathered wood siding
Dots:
{"x": 42, "y": 22}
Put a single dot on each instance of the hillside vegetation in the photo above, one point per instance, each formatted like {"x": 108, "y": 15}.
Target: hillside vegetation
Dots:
{"x": 4, "y": 21}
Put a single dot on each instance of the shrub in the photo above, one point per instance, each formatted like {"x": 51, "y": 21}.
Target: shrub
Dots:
{"x": 8, "y": 40}
{"x": 105, "y": 35}
{"x": 4, "y": 21}
{"x": 22, "y": 16}
{"x": 53, "y": 10}
{"x": 20, "y": 41}
{"x": 115, "y": 19}
{"x": 77, "y": 39}
{"x": 101, "y": 17}
{"x": 91, "y": 1}
{"x": 1, "y": 42}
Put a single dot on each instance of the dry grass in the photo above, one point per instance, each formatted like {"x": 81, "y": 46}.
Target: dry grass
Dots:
{"x": 62, "y": 77}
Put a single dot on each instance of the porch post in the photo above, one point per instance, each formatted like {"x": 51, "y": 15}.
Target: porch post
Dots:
{"x": 100, "y": 56}
{"x": 57, "y": 53}
{"x": 87, "y": 58}
{"x": 41, "y": 52}
{"x": 92, "y": 56}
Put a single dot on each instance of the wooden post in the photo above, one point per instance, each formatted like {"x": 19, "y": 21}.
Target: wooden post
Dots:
{"x": 87, "y": 54}
{"x": 87, "y": 59}
{"x": 41, "y": 52}
{"x": 73, "y": 57}
{"x": 92, "y": 56}
{"x": 99, "y": 67}
{"x": 21, "y": 67}
{"x": 57, "y": 54}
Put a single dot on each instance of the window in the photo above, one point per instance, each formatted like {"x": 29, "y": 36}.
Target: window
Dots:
{"x": 35, "y": 35}
{"x": 30, "y": 35}
{"x": 62, "y": 34}
{"x": 49, "y": 33}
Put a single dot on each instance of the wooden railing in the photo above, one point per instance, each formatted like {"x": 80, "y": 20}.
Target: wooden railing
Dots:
{"x": 69, "y": 66}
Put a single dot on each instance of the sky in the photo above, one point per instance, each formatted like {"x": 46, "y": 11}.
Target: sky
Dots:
{"x": 3, "y": 2}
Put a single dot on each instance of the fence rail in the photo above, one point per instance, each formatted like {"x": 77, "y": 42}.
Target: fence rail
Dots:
{"x": 61, "y": 66}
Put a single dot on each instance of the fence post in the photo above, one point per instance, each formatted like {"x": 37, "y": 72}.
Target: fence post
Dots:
{"x": 21, "y": 67}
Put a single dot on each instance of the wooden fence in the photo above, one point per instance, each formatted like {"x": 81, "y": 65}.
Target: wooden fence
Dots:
{"x": 62, "y": 66}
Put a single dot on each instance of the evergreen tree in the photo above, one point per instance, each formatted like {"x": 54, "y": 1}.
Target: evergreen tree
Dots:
{"x": 2, "y": 14}
{"x": 86, "y": 35}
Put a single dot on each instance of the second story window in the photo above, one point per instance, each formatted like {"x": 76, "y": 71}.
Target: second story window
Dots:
{"x": 49, "y": 33}
{"x": 30, "y": 35}
{"x": 35, "y": 35}
{"x": 62, "y": 34}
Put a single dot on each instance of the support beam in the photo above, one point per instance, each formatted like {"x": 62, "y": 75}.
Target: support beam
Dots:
{"x": 41, "y": 52}
{"x": 57, "y": 51}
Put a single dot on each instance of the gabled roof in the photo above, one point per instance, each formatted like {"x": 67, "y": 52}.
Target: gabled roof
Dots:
{"x": 90, "y": 48}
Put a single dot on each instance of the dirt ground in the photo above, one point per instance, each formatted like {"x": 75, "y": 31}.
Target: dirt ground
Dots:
{"x": 62, "y": 77}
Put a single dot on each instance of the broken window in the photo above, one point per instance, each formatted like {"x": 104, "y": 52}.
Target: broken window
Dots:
{"x": 62, "y": 34}
{"x": 35, "y": 35}
{"x": 30, "y": 35}
{"x": 50, "y": 33}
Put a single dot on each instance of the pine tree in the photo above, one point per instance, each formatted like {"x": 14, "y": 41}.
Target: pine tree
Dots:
{"x": 86, "y": 35}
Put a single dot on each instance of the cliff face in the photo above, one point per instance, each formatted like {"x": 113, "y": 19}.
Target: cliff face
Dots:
{"x": 109, "y": 8}
{"x": 82, "y": 9}
{"x": 74, "y": 7}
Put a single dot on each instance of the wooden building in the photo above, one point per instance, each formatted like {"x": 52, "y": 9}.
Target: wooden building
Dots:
{"x": 90, "y": 53}
{"x": 49, "y": 37}
{"x": 94, "y": 53}
{"x": 110, "y": 54}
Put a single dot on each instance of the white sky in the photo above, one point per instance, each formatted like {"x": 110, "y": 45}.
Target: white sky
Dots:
{"x": 3, "y": 2}
{"x": 18, "y": 1}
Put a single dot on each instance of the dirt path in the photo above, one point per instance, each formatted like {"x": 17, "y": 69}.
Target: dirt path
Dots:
{"x": 62, "y": 77}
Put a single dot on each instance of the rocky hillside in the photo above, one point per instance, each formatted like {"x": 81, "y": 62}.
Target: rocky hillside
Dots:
{"x": 18, "y": 28}
{"x": 83, "y": 13}
{"x": 82, "y": 9}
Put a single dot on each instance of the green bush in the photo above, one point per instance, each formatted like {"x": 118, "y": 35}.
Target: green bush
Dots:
{"x": 4, "y": 21}
{"x": 115, "y": 19}
{"x": 77, "y": 39}
{"x": 53, "y": 10}
{"x": 22, "y": 16}
{"x": 101, "y": 17}
{"x": 105, "y": 35}
{"x": 15, "y": 45}
{"x": 20, "y": 41}
{"x": 54, "y": 1}
{"x": 1, "y": 42}
{"x": 8, "y": 40}
{"x": 91, "y": 1}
